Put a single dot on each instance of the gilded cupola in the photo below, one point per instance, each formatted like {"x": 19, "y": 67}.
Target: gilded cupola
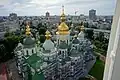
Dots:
{"x": 48, "y": 35}
{"x": 63, "y": 29}
{"x": 28, "y": 42}
{"x": 28, "y": 30}
{"x": 48, "y": 44}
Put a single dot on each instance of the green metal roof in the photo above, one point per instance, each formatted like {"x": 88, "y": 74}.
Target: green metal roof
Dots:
{"x": 33, "y": 60}
{"x": 38, "y": 76}
{"x": 75, "y": 41}
{"x": 29, "y": 42}
{"x": 75, "y": 53}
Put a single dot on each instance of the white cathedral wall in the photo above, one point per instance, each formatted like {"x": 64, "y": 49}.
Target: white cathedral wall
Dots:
{"x": 63, "y": 52}
{"x": 20, "y": 55}
{"x": 34, "y": 51}
{"x": 63, "y": 37}
{"x": 76, "y": 46}
{"x": 29, "y": 51}
{"x": 25, "y": 53}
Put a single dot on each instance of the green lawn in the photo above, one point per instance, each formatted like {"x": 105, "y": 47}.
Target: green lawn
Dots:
{"x": 98, "y": 70}
{"x": 84, "y": 79}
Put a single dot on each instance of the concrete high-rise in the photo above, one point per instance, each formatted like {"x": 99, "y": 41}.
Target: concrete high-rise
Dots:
{"x": 92, "y": 14}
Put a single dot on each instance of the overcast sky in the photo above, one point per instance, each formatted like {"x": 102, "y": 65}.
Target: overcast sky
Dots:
{"x": 40, "y": 7}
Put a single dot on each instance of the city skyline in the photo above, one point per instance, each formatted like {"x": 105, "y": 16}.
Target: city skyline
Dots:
{"x": 38, "y": 7}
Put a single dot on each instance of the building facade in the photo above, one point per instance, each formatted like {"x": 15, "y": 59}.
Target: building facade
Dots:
{"x": 64, "y": 59}
{"x": 92, "y": 14}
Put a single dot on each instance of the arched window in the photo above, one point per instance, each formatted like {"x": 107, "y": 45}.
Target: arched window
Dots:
{"x": 73, "y": 45}
{"x": 76, "y": 47}
{"x": 27, "y": 52}
{"x": 59, "y": 53}
{"x": 67, "y": 41}
{"x": 32, "y": 51}
{"x": 63, "y": 55}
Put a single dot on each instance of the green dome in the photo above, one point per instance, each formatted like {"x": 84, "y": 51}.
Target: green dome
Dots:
{"x": 63, "y": 45}
{"x": 29, "y": 42}
{"x": 75, "y": 53}
{"x": 75, "y": 41}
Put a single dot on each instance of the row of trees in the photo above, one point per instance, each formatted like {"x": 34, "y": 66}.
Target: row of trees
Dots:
{"x": 42, "y": 29}
{"x": 7, "y": 46}
{"x": 100, "y": 42}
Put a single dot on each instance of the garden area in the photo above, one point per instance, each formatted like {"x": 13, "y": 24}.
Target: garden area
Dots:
{"x": 98, "y": 70}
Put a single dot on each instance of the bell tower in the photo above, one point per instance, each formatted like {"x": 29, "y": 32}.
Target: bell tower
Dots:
{"x": 63, "y": 30}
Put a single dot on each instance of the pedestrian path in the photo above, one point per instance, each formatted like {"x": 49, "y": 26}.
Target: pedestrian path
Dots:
{"x": 3, "y": 72}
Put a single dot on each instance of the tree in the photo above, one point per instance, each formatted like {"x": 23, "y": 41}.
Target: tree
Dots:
{"x": 101, "y": 36}
{"x": 93, "y": 26}
{"x": 42, "y": 31}
{"x": 10, "y": 42}
{"x": 86, "y": 24}
{"x": 2, "y": 52}
{"x": 89, "y": 34}
{"x": 42, "y": 28}
{"x": 42, "y": 38}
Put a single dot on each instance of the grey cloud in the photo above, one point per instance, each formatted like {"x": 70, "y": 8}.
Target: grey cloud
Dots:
{"x": 26, "y": 8}
{"x": 1, "y": 6}
{"x": 79, "y": 2}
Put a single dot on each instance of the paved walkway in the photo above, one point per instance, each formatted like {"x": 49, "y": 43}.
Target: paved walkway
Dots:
{"x": 3, "y": 72}
{"x": 11, "y": 64}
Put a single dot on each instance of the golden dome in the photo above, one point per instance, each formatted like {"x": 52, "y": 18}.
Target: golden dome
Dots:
{"x": 28, "y": 30}
{"x": 48, "y": 35}
{"x": 63, "y": 29}
{"x": 62, "y": 32}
